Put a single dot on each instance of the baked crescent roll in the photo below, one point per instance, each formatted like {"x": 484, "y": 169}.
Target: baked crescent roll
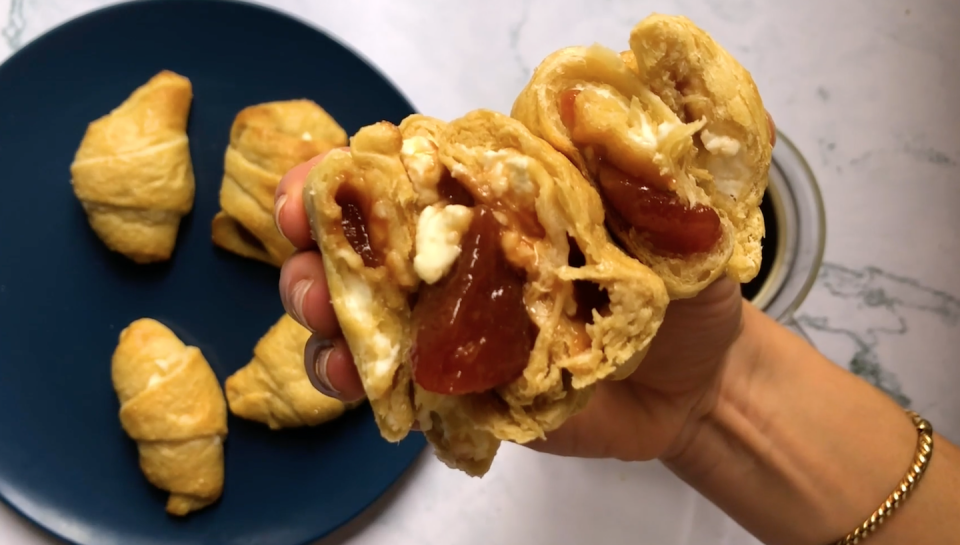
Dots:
{"x": 132, "y": 172}
{"x": 474, "y": 281}
{"x": 171, "y": 404}
{"x": 674, "y": 136}
{"x": 267, "y": 140}
{"x": 274, "y": 389}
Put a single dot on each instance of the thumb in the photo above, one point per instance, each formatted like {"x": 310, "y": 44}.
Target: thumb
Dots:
{"x": 694, "y": 336}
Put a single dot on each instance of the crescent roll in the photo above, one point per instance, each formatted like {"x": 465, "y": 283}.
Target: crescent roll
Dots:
{"x": 171, "y": 404}
{"x": 132, "y": 172}
{"x": 474, "y": 281}
{"x": 267, "y": 140}
{"x": 674, "y": 136}
{"x": 274, "y": 389}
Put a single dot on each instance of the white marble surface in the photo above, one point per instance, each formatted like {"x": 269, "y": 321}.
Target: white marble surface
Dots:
{"x": 867, "y": 90}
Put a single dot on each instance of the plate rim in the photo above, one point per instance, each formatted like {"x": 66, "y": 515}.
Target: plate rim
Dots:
{"x": 80, "y": 20}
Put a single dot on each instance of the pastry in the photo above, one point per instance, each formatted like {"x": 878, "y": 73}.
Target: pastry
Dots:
{"x": 674, "y": 136}
{"x": 274, "y": 389}
{"x": 474, "y": 281}
{"x": 267, "y": 140}
{"x": 171, "y": 404}
{"x": 132, "y": 172}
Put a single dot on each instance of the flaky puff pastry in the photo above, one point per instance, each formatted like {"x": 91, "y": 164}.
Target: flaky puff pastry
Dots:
{"x": 267, "y": 140}
{"x": 132, "y": 172}
{"x": 677, "y": 109}
{"x": 171, "y": 404}
{"x": 543, "y": 206}
{"x": 274, "y": 389}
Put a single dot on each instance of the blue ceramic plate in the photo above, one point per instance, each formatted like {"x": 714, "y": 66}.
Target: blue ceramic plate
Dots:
{"x": 65, "y": 463}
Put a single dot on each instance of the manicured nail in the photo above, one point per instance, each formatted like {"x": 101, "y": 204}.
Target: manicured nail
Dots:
{"x": 316, "y": 364}
{"x": 297, "y": 295}
{"x": 277, "y": 208}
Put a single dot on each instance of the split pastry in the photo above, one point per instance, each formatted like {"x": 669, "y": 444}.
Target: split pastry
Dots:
{"x": 132, "y": 172}
{"x": 171, "y": 404}
{"x": 475, "y": 282}
{"x": 267, "y": 140}
{"x": 674, "y": 136}
{"x": 274, "y": 389}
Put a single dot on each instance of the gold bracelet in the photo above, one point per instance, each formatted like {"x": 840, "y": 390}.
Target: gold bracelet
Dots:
{"x": 917, "y": 469}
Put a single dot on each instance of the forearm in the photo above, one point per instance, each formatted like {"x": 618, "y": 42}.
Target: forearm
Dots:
{"x": 800, "y": 451}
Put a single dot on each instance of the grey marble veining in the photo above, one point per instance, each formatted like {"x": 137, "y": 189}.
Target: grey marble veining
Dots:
{"x": 867, "y": 91}
{"x": 875, "y": 323}
{"x": 14, "y": 27}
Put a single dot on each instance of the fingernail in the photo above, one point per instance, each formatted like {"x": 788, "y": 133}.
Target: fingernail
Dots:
{"x": 316, "y": 365}
{"x": 277, "y": 208}
{"x": 297, "y": 295}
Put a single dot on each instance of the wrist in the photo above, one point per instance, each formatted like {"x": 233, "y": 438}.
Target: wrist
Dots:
{"x": 735, "y": 373}
{"x": 794, "y": 448}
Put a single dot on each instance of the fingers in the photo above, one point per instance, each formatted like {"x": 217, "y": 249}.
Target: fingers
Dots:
{"x": 690, "y": 343}
{"x": 288, "y": 210}
{"x": 305, "y": 296}
{"x": 596, "y": 431}
{"x": 331, "y": 370}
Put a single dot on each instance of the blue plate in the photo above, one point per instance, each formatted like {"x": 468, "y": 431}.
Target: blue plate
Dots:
{"x": 65, "y": 463}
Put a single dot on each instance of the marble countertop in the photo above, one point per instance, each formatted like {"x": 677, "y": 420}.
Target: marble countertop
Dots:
{"x": 867, "y": 91}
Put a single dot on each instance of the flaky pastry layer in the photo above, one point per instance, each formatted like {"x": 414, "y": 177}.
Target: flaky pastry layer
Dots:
{"x": 274, "y": 389}
{"x": 267, "y": 140}
{"x": 133, "y": 173}
{"x": 543, "y": 205}
{"x": 171, "y": 404}
{"x": 678, "y": 106}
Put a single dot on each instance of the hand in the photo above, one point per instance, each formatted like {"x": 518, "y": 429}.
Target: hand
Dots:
{"x": 303, "y": 290}
{"x": 648, "y": 415}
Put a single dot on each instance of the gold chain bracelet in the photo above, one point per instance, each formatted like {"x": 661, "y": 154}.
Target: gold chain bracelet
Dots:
{"x": 917, "y": 469}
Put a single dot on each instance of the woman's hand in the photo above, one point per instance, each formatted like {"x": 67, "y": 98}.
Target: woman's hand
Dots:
{"x": 303, "y": 290}
{"x": 647, "y": 415}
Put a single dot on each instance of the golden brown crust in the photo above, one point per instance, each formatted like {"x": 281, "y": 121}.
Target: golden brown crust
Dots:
{"x": 171, "y": 404}
{"x": 267, "y": 140}
{"x": 542, "y": 203}
{"x": 230, "y": 235}
{"x": 274, "y": 389}
{"x": 132, "y": 172}
{"x": 676, "y": 104}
